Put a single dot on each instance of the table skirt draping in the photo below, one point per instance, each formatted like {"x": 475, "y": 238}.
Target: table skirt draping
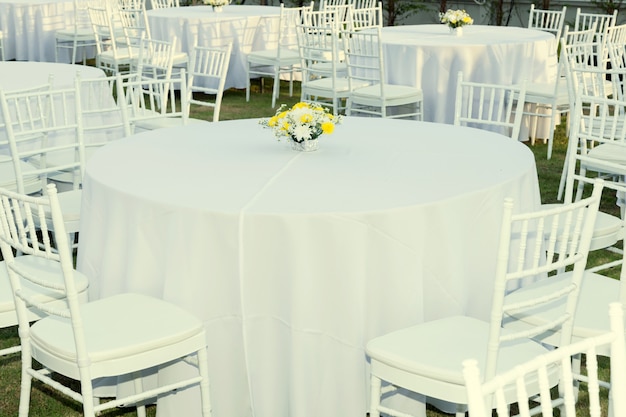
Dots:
{"x": 243, "y": 26}
{"x": 429, "y": 57}
{"x": 295, "y": 260}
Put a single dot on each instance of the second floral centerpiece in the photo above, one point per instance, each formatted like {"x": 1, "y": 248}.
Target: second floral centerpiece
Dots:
{"x": 456, "y": 19}
{"x": 216, "y": 4}
{"x": 302, "y": 124}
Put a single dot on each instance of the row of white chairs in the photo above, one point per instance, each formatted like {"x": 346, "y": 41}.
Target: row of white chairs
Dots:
{"x": 402, "y": 359}
{"x": 51, "y": 132}
{"x": 282, "y": 55}
{"x": 551, "y": 99}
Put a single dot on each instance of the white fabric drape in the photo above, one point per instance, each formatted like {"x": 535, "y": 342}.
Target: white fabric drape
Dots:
{"x": 295, "y": 260}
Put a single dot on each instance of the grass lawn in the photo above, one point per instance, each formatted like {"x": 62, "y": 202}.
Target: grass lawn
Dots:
{"x": 235, "y": 107}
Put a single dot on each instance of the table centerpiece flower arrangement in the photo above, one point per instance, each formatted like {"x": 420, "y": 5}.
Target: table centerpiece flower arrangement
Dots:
{"x": 302, "y": 124}
{"x": 216, "y": 4}
{"x": 456, "y": 19}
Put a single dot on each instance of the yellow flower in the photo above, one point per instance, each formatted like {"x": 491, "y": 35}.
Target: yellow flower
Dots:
{"x": 284, "y": 126}
{"x": 306, "y": 118}
{"x": 328, "y": 127}
{"x": 282, "y": 115}
{"x": 273, "y": 121}
{"x": 300, "y": 105}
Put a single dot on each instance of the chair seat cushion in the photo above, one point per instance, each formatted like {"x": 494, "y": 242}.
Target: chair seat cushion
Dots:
{"x": 117, "y": 327}
{"x": 46, "y": 269}
{"x": 81, "y": 35}
{"x": 417, "y": 349}
{"x": 591, "y": 318}
{"x": 32, "y": 182}
{"x": 392, "y": 91}
{"x": 70, "y": 205}
{"x": 545, "y": 92}
{"x": 609, "y": 152}
{"x": 326, "y": 84}
{"x": 270, "y": 57}
{"x": 607, "y": 229}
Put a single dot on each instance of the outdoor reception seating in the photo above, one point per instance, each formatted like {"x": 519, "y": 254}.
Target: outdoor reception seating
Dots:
{"x": 301, "y": 234}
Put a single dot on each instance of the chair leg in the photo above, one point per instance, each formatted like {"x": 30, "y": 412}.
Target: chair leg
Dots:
{"x": 276, "y": 87}
{"x": 376, "y": 393}
{"x": 553, "y": 117}
{"x": 203, "y": 368}
{"x": 25, "y": 384}
{"x": 248, "y": 84}
{"x": 141, "y": 407}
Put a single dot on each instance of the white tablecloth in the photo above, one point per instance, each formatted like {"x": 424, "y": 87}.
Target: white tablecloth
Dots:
{"x": 428, "y": 56}
{"x": 20, "y": 75}
{"x": 241, "y": 25}
{"x": 295, "y": 260}
{"x": 29, "y": 26}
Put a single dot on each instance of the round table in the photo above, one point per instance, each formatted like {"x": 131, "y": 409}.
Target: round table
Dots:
{"x": 295, "y": 260}
{"x": 29, "y": 27}
{"x": 243, "y": 26}
{"x": 19, "y": 75}
{"x": 430, "y": 57}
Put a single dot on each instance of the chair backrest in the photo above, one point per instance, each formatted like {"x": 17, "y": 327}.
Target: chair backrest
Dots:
{"x": 613, "y": 44}
{"x": 100, "y": 15}
{"x": 602, "y": 21}
{"x": 364, "y": 58}
{"x": 597, "y": 120}
{"x": 585, "y": 36}
{"x": 364, "y": 4}
{"x": 162, "y": 4}
{"x": 341, "y": 12}
{"x": 488, "y": 106}
{"x": 485, "y": 395}
{"x": 81, "y": 16}
{"x": 208, "y": 67}
{"x": 155, "y": 58}
{"x": 134, "y": 21}
{"x": 329, "y": 3}
{"x": 103, "y": 120}
{"x": 365, "y": 17}
{"x": 318, "y": 43}
{"x": 23, "y": 229}
{"x": 289, "y": 19}
{"x": 533, "y": 245}
{"x": 547, "y": 20}
{"x": 149, "y": 101}
{"x": 579, "y": 56}
{"x": 44, "y": 132}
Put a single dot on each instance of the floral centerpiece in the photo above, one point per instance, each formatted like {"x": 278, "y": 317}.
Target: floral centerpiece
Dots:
{"x": 301, "y": 124}
{"x": 455, "y": 18}
{"x": 216, "y": 4}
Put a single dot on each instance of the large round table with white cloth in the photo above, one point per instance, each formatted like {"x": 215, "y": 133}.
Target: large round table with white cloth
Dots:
{"x": 295, "y": 260}
{"x": 243, "y": 26}
{"x": 29, "y": 27}
{"x": 430, "y": 57}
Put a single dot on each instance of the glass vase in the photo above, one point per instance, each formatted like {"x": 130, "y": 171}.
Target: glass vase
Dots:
{"x": 458, "y": 31}
{"x": 305, "y": 145}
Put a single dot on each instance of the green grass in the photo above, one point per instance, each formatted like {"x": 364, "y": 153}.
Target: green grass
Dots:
{"x": 48, "y": 403}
